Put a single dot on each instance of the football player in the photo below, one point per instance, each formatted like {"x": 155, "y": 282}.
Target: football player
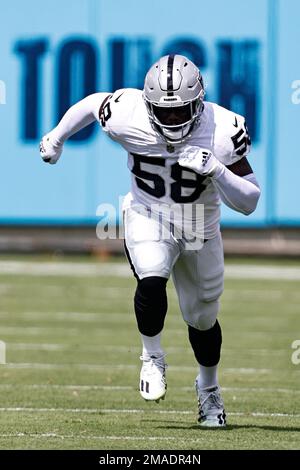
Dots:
{"x": 182, "y": 151}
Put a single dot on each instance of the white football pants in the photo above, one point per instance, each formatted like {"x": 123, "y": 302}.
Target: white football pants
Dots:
{"x": 197, "y": 274}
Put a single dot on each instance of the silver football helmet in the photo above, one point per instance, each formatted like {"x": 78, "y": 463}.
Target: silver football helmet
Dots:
{"x": 173, "y": 93}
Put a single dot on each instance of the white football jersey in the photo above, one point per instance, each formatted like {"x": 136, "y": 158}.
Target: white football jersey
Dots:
{"x": 156, "y": 177}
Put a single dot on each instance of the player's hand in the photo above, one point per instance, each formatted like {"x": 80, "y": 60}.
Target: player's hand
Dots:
{"x": 50, "y": 150}
{"x": 199, "y": 159}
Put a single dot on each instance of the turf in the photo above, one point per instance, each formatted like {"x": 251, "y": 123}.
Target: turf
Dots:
{"x": 72, "y": 369}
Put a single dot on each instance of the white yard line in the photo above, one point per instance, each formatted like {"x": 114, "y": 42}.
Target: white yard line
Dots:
{"x": 25, "y": 365}
{"x": 102, "y": 331}
{"x": 82, "y": 347}
{"x": 253, "y": 271}
{"x": 265, "y": 415}
{"x": 118, "y": 388}
{"x": 259, "y": 390}
{"x": 70, "y": 331}
{"x": 134, "y": 411}
{"x": 102, "y": 438}
{"x": 89, "y": 410}
{"x": 67, "y": 387}
{"x": 76, "y": 269}
{"x": 73, "y": 269}
{"x": 247, "y": 370}
{"x": 39, "y": 330}
{"x": 37, "y": 347}
{"x": 123, "y": 349}
{"x": 112, "y": 367}
{"x": 70, "y": 316}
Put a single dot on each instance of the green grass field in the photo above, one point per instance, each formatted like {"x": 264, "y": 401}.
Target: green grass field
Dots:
{"x": 72, "y": 353}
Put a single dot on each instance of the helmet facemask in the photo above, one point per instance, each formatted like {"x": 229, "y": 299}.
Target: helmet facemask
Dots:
{"x": 174, "y": 122}
{"x": 173, "y": 94}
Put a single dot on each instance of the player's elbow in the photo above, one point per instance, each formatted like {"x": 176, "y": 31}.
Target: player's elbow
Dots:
{"x": 251, "y": 201}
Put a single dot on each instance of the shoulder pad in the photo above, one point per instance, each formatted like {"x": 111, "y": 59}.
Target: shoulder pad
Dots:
{"x": 232, "y": 140}
{"x": 118, "y": 107}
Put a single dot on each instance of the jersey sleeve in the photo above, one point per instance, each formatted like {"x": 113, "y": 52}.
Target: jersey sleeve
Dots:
{"x": 116, "y": 111}
{"x": 240, "y": 140}
{"x": 232, "y": 140}
{"x": 104, "y": 112}
{"x": 78, "y": 116}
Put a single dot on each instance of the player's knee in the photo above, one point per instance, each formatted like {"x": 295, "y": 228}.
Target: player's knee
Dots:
{"x": 206, "y": 344}
{"x": 151, "y": 305}
{"x": 203, "y": 315}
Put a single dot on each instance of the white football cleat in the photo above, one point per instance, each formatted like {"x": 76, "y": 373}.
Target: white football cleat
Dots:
{"x": 153, "y": 385}
{"x": 211, "y": 407}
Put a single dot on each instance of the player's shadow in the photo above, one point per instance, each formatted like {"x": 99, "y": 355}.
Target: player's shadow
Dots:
{"x": 229, "y": 427}
{"x": 262, "y": 426}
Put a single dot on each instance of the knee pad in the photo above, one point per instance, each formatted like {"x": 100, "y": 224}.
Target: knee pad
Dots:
{"x": 150, "y": 303}
{"x": 206, "y": 344}
{"x": 202, "y": 315}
